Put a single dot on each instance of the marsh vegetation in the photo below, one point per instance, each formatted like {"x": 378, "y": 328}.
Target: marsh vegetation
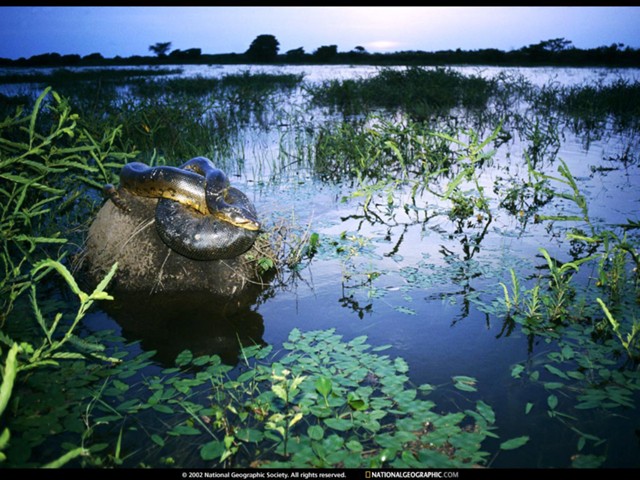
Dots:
{"x": 466, "y": 294}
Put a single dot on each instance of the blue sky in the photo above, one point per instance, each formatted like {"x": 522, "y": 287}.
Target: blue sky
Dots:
{"x": 126, "y": 31}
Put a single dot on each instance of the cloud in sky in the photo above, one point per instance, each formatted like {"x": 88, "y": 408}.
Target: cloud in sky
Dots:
{"x": 382, "y": 46}
{"x": 126, "y": 31}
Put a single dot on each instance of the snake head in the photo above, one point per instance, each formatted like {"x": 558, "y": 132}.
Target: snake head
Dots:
{"x": 238, "y": 216}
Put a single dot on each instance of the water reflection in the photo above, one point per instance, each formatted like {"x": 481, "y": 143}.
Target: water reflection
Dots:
{"x": 199, "y": 322}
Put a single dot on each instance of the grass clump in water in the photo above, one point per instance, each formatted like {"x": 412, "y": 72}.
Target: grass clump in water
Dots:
{"x": 419, "y": 92}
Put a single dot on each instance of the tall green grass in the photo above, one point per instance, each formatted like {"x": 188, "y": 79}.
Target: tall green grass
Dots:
{"x": 47, "y": 166}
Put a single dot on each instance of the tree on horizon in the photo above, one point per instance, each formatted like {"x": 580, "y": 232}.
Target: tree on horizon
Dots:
{"x": 264, "y": 48}
{"x": 160, "y": 49}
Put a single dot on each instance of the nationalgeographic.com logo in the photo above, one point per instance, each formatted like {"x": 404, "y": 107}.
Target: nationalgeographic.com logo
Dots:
{"x": 410, "y": 474}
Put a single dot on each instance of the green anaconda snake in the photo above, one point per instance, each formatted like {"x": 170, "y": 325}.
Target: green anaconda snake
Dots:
{"x": 199, "y": 214}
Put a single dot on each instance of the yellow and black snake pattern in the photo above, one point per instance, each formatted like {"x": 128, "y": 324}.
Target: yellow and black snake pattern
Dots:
{"x": 199, "y": 214}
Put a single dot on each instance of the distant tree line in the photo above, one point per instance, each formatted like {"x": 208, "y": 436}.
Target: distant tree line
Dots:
{"x": 265, "y": 49}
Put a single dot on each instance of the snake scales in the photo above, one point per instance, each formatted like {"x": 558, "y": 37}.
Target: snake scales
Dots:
{"x": 198, "y": 214}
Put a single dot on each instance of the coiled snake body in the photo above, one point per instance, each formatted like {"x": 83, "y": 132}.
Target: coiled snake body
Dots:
{"x": 199, "y": 215}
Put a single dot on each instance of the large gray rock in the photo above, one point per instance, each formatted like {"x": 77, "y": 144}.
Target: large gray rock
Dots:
{"x": 146, "y": 264}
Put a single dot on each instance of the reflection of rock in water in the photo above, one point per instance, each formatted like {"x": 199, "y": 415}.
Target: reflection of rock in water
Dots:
{"x": 199, "y": 322}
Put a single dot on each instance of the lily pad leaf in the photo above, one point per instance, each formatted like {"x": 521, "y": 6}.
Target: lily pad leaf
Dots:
{"x": 338, "y": 424}
{"x": 514, "y": 443}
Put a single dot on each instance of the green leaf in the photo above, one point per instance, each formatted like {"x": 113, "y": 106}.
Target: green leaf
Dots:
{"x": 296, "y": 418}
{"x": 401, "y": 365}
{"x": 553, "y": 385}
{"x": 8, "y": 377}
{"x": 455, "y": 182}
{"x": 587, "y": 436}
{"x": 107, "y": 418}
{"x": 99, "y": 293}
{"x": 567, "y": 352}
{"x": 250, "y": 435}
{"x": 98, "y": 447}
{"x": 556, "y": 371}
{"x": 155, "y": 398}
{"x": 573, "y": 218}
{"x": 184, "y": 430}
{"x": 358, "y": 340}
{"x": 333, "y": 443}
{"x": 464, "y": 379}
{"x": 587, "y": 461}
{"x": 381, "y": 348}
{"x": 514, "y": 443}
{"x": 464, "y": 383}
{"x": 248, "y": 375}
{"x": 528, "y": 408}
{"x": 280, "y": 392}
{"x": 516, "y": 370}
{"x": 486, "y": 411}
{"x": 162, "y": 409}
{"x": 315, "y": 432}
{"x": 4, "y": 438}
{"x": 184, "y": 358}
{"x": 338, "y": 424}
{"x": 604, "y": 373}
{"x": 576, "y": 375}
{"x": 212, "y": 450}
{"x": 354, "y": 445}
{"x": 66, "y": 458}
{"x": 465, "y": 387}
{"x": 552, "y": 401}
{"x": 323, "y": 386}
{"x": 34, "y": 114}
{"x": 157, "y": 439}
{"x": 64, "y": 272}
{"x": 356, "y": 402}
{"x": 295, "y": 335}
{"x": 132, "y": 405}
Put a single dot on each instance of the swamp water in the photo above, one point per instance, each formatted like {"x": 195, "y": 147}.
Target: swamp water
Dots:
{"x": 412, "y": 276}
